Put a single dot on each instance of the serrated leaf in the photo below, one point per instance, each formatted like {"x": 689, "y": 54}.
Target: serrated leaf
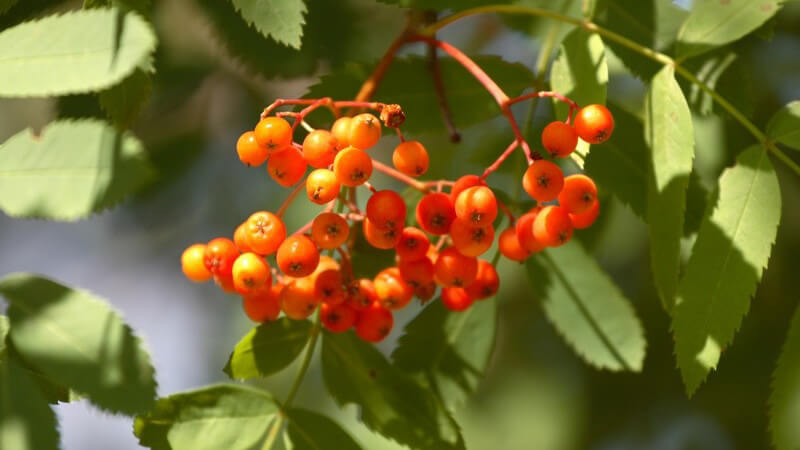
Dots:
{"x": 124, "y": 101}
{"x": 308, "y": 430}
{"x": 723, "y": 72}
{"x": 26, "y": 420}
{"x": 714, "y": 23}
{"x": 77, "y": 340}
{"x": 391, "y": 403}
{"x": 449, "y": 349}
{"x": 785, "y": 397}
{"x": 70, "y": 170}
{"x": 224, "y": 416}
{"x": 77, "y": 52}
{"x": 268, "y": 348}
{"x": 728, "y": 258}
{"x": 587, "y": 308}
{"x": 670, "y": 136}
{"x": 409, "y": 84}
{"x": 282, "y": 20}
{"x": 635, "y": 20}
{"x": 140, "y": 6}
{"x": 784, "y": 127}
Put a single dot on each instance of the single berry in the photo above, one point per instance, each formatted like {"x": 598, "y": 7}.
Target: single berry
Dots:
{"x": 418, "y": 272}
{"x": 455, "y": 269}
{"x": 594, "y": 124}
{"x": 328, "y": 286}
{"x": 486, "y": 283}
{"x": 325, "y": 263}
{"x": 341, "y": 132}
{"x": 297, "y": 256}
{"x": 393, "y": 291}
{"x": 250, "y": 273}
{"x": 386, "y": 209}
{"x": 319, "y": 148}
{"x": 329, "y": 230}
{"x": 469, "y": 239}
{"x": 435, "y": 213}
{"x": 559, "y": 139}
{"x": 297, "y": 298}
{"x": 456, "y": 299}
{"x": 337, "y": 318}
{"x": 425, "y": 292}
{"x": 263, "y": 305}
{"x": 477, "y": 205}
{"x": 543, "y": 180}
{"x": 510, "y": 247}
{"x": 264, "y": 232}
{"x": 374, "y": 323}
{"x": 524, "y": 232}
{"x": 365, "y": 131}
{"x": 193, "y": 265}
{"x": 352, "y": 166}
{"x": 552, "y": 226}
{"x": 240, "y": 238}
{"x": 322, "y": 186}
{"x": 378, "y": 237}
{"x": 249, "y": 151}
{"x": 411, "y": 158}
{"x": 586, "y": 218}
{"x": 412, "y": 245}
{"x": 274, "y": 134}
{"x": 465, "y": 182}
{"x": 286, "y": 167}
{"x": 360, "y": 294}
{"x": 579, "y": 194}
{"x": 219, "y": 256}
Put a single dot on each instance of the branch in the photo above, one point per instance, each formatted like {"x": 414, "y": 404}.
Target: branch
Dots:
{"x": 438, "y": 86}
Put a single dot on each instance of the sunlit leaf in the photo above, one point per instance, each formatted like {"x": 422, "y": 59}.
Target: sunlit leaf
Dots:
{"x": 308, "y": 430}
{"x": 784, "y": 126}
{"x": 785, "y": 397}
{"x": 268, "y": 348}
{"x": 281, "y": 20}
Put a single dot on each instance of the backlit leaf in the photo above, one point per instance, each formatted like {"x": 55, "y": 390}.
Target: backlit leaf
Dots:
{"x": 281, "y": 20}
{"x": 785, "y": 397}
{"x": 268, "y": 348}
{"x": 26, "y": 420}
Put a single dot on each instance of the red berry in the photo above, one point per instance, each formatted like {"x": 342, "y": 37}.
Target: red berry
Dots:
{"x": 477, "y": 205}
{"x": 193, "y": 264}
{"x": 263, "y": 305}
{"x": 219, "y": 256}
{"x": 559, "y": 139}
{"x": 411, "y": 158}
{"x": 337, "y": 318}
{"x": 412, "y": 245}
{"x": 386, "y": 209}
{"x": 456, "y": 299}
{"x": 594, "y": 124}
{"x": 297, "y": 256}
{"x": 552, "y": 226}
{"x": 374, "y": 323}
{"x": 466, "y": 181}
{"x": 435, "y": 213}
{"x": 586, "y": 218}
{"x": 392, "y": 290}
{"x": 579, "y": 194}
{"x": 543, "y": 180}
{"x": 486, "y": 283}
{"x": 454, "y": 269}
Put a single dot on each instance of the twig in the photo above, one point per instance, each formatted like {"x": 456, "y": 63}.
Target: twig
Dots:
{"x": 438, "y": 86}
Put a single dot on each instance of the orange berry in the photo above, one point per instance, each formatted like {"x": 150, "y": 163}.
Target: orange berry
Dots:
{"x": 250, "y": 273}
{"x": 476, "y": 205}
{"x": 297, "y": 256}
{"x": 469, "y": 239}
{"x": 378, "y": 237}
{"x": 386, "y": 209}
{"x": 352, "y": 166}
{"x": 524, "y": 232}
{"x": 328, "y": 286}
{"x": 466, "y": 181}
{"x": 435, "y": 213}
{"x": 594, "y": 124}
{"x": 418, "y": 272}
{"x": 322, "y": 186}
{"x": 249, "y": 151}
{"x": 240, "y": 238}
{"x": 426, "y": 291}
{"x": 298, "y": 300}
{"x": 225, "y": 282}
{"x": 361, "y": 294}
{"x": 486, "y": 283}
{"x": 552, "y": 226}
{"x": 559, "y": 139}
{"x": 263, "y": 305}
{"x": 325, "y": 263}
{"x": 586, "y": 218}
{"x": 578, "y": 195}
{"x": 264, "y": 232}
{"x": 365, "y": 131}
{"x": 412, "y": 245}
{"x": 392, "y": 290}
{"x": 456, "y": 299}
{"x": 543, "y": 180}
{"x": 455, "y": 269}
{"x": 219, "y": 255}
{"x": 341, "y": 132}
{"x": 510, "y": 247}
{"x": 337, "y": 318}
{"x": 274, "y": 134}
{"x": 286, "y": 167}
{"x": 319, "y": 148}
{"x": 411, "y": 158}
{"x": 193, "y": 265}
{"x": 374, "y": 323}
{"x": 329, "y": 230}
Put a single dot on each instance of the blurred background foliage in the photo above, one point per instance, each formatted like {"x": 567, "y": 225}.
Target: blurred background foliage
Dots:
{"x": 215, "y": 74}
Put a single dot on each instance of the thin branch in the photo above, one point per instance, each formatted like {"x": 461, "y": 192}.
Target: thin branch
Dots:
{"x": 438, "y": 86}
{"x": 381, "y": 167}
{"x": 503, "y": 156}
{"x": 292, "y": 195}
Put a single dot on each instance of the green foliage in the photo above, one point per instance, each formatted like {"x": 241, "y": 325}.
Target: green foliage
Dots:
{"x": 409, "y": 84}
{"x": 587, "y": 308}
{"x": 281, "y": 20}
{"x": 308, "y": 430}
{"x": 228, "y": 416}
{"x": 268, "y": 348}
{"x": 77, "y": 340}
{"x": 785, "y": 397}
{"x": 5, "y": 5}
{"x": 457, "y": 346}
{"x": 79, "y": 51}
{"x": 26, "y": 420}
{"x": 670, "y": 136}
{"x": 391, "y": 402}
{"x": 784, "y": 127}
{"x": 635, "y": 20}
{"x": 443, "y": 4}
{"x": 723, "y": 72}
{"x": 124, "y": 101}
{"x": 731, "y": 251}
{"x": 70, "y": 170}
{"x": 713, "y": 23}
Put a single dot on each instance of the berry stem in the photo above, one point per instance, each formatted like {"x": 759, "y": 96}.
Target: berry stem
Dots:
{"x": 381, "y": 167}
{"x": 292, "y": 195}
{"x": 348, "y": 267}
{"x": 503, "y": 207}
{"x": 371, "y": 84}
{"x": 438, "y": 85}
{"x": 503, "y": 156}
{"x": 541, "y": 94}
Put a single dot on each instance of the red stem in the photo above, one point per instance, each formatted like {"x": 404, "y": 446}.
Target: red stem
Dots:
{"x": 292, "y": 195}
{"x": 506, "y": 211}
{"x": 510, "y": 149}
{"x": 380, "y": 167}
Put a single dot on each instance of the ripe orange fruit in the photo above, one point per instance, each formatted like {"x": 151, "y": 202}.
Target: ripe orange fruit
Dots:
{"x": 240, "y": 238}
{"x": 263, "y": 305}
{"x": 365, "y": 131}
{"x": 297, "y": 298}
{"x": 418, "y": 272}
{"x": 341, "y": 132}
{"x": 322, "y": 186}
{"x": 329, "y": 230}
{"x": 328, "y": 286}
{"x": 386, "y": 209}
{"x": 274, "y": 134}
{"x": 361, "y": 294}
{"x": 559, "y": 139}
{"x": 543, "y": 180}
{"x": 594, "y": 124}
{"x": 469, "y": 239}
{"x": 378, "y": 237}
{"x": 411, "y": 158}
{"x": 286, "y": 167}
{"x": 477, "y": 205}
{"x": 466, "y": 181}
{"x": 435, "y": 213}
{"x": 412, "y": 245}
{"x": 578, "y": 195}
{"x": 193, "y": 265}
{"x": 297, "y": 256}
{"x": 510, "y": 247}
{"x": 586, "y": 218}
{"x": 337, "y": 318}
{"x": 454, "y": 269}
{"x": 374, "y": 323}
{"x": 250, "y": 273}
{"x": 249, "y": 151}
{"x": 392, "y": 290}
{"x": 219, "y": 255}
{"x": 264, "y": 232}
{"x": 456, "y": 299}
{"x": 352, "y": 166}
{"x": 552, "y": 226}
{"x": 486, "y": 283}
{"x": 319, "y": 148}
{"x": 524, "y": 232}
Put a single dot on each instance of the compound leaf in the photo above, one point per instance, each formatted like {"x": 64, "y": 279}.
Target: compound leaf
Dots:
{"x": 268, "y": 348}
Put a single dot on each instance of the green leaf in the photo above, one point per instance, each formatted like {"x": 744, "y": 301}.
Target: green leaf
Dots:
{"x": 391, "y": 403}
{"x": 587, "y": 308}
{"x": 282, "y": 20}
{"x": 79, "y": 51}
{"x": 635, "y": 20}
{"x": 409, "y": 84}
{"x": 70, "y": 170}
{"x": 308, "y": 430}
{"x": 442, "y": 4}
{"x": 785, "y": 398}
{"x": 77, "y": 340}
{"x": 731, "y": 251}
{"x": 5, "y": 5}
{"x": 669, "y": 133}
{"x": 725, "y": 73}
{"x": 449, "y": 349}
{"x": 224, "y": 416}
{"x": 714, "y": 23}
{"x": 784, "y": 127}
{"x": 125, "y": 101}
{"x": 26, "y": 420}
{"x": 3, "y": 333}
{"x": 268, "y": 348}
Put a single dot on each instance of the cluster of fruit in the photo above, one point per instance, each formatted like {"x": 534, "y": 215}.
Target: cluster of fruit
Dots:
{"x": 462, "y": 219}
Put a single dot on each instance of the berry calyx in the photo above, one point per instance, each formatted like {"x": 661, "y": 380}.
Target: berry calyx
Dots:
{"x": 264, "y": 232}
{"x": 469, "y": 239}
{"x": 286, "y": 167}
{"x": 455, "y": 269}
{"x": 543, "y": 180}
{"x": 411, "y": 158}
{"x": 380, "y": 237}
{"x": 193, "y": 265}
{"x": 386, "y": 209}
{"x": 337, "y": 318}
{"x": 328, "y": 286}
{"x": 361, "y": 294}
{"x": 435, "y": 213}
{"x": 412, "y": 245}
{"x": 559, "y": 139}
{"x": 594, "y": 124}
{"x": 219, "y": 255}
{"x": 392, "y": 290}
{"x": 297, "y": 256}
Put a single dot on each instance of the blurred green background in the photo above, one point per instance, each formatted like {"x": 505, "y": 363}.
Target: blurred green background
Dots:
{"x": 537, "y": 394}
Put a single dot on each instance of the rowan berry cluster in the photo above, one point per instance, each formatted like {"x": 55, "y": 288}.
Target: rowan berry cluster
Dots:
{"x": 461, "y": 220}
